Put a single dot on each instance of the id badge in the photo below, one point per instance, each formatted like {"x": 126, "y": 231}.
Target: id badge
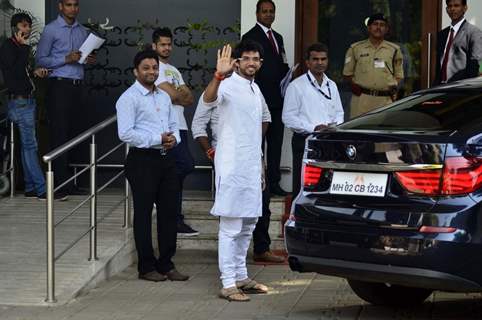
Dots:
{"x": 379, "y": 64}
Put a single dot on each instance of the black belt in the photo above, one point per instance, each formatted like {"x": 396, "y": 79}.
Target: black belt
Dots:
{"x": 150, "y": 151}
{"x": 19, "y": 96}
{"x": 75, "y": 82}
{"x": 376, "y": 93}
{"x": 300, "y": 135}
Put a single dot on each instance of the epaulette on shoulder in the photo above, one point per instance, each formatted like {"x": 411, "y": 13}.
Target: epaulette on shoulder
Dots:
{"x": 393, "y": 45}
{"x": 356, "y": 44}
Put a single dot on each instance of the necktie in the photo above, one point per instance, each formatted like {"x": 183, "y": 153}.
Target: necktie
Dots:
{"x": 271, "y": 39}
{"x": 446, "y": 56}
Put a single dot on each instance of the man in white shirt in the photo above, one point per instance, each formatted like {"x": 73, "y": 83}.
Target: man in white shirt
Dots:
{"x": 238, "y": 163}
{"x": 147, "y": 122}
{"x": 204, "y": 116}
{"x": 312, "y": 103}
{"x": 170, "y": 80}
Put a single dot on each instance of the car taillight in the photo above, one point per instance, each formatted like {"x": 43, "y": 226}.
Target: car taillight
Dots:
{"x": 422, "y": 182}
{"x": 311, "y": 175}
{"x": 430, "y": 229}
{"x": 460, "y": 175}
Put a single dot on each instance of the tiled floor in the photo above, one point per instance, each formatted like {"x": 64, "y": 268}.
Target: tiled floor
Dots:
{"x": 292, "y": 296}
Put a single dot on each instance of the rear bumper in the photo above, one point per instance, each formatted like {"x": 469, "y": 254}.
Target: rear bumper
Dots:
{"x": 406, "y": 276}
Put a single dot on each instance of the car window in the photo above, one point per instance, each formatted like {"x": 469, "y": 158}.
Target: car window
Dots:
{"x": 425, "y": 112}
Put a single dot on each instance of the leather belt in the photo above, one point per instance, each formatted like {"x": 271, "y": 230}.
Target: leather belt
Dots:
{"x": 376, "y": 93}
{"x": 152, "y": 151}
{"x": 300, "y": 135}
{"x": 75, "y": 82}
{"x": 19, "y": 96}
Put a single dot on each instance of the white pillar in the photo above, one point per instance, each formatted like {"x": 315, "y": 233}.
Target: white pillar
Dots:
{"x": 37, "y": 8}
{"x": 285, "y": 25}
{"x": 473, "y": 15}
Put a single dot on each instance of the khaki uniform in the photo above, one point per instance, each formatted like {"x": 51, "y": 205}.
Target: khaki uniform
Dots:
{"x": 375, "y": 69}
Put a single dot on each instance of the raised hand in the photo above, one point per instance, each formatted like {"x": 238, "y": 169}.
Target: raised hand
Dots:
{"x": 225, "y": 64}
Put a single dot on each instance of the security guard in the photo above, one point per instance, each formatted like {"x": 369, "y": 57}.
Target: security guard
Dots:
{"x": 374, "y": 67}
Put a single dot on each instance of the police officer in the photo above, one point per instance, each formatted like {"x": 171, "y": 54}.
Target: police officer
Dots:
{"x": 374, "y": 67}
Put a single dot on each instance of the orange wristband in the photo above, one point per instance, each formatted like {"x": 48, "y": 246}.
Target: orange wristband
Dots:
{"x": 218, "y": 76}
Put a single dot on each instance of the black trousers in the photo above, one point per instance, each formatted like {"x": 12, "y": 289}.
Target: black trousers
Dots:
{"x": 184, "y": 166}
{"x": 274, "y": 139}
{"x": 64, "y": 109}
{"x": 153, "y": 179}
{"x": 261, "y": 239}
{"x": 298, "y": 148}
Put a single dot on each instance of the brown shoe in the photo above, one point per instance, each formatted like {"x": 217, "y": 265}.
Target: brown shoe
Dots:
{"x": 251, "y": 287}
{"x": 268, "y": 257}
{"x": 153, "y": 276}
{"x": 233, "y": 294}
{"x": 175, "y": 275}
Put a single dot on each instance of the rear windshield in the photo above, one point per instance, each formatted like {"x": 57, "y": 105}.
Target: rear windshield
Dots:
{"x": 427, "y": 112}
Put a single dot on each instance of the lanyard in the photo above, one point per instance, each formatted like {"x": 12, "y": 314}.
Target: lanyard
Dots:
{"x": 319, "y": 90}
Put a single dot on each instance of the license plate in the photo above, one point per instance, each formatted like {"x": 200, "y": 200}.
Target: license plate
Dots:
{"x": 359, "y": 183}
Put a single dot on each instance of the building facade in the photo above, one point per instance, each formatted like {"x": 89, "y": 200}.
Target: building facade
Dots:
{"x": 201, "y": 26}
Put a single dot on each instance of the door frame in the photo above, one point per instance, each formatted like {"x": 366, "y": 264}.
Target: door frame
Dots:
{"x": 307, "y": 33}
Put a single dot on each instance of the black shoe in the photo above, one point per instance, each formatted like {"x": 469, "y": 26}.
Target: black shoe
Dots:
{"x": 30, "y": 194}
{"x": 175, "y": 275}
{"x": 60, "y": 196}
{"x": 153, "y": 276}
{"x": 76, "y": 191}
{"x": 276, "y": 190}
{"x": 186, "y": 230}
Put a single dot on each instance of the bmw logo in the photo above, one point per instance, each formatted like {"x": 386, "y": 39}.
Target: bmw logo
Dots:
{"x": 351, "y": 152}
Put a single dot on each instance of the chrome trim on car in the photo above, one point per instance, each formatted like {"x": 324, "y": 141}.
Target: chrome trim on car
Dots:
{"x": 383, "y": 167}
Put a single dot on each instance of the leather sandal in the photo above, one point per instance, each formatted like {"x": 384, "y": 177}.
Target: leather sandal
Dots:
{"x": 252, "y": 287}
{"x": 233, "y": 294}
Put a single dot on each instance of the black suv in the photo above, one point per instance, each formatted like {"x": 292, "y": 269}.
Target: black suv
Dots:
{"x": 391, "y": 200}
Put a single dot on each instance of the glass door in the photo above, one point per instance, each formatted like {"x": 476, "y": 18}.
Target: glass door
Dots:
{"x": 339, "y": 23}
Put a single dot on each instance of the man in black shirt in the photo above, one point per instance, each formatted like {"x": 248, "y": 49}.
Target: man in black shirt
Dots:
{"x": 14, "y": 63}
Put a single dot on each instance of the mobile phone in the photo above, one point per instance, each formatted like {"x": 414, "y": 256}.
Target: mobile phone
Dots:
{"x": 15, "y": 30}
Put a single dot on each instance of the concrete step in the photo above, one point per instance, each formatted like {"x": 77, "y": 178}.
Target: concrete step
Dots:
{"x": 210, "y": 224}
{"x": 203, "y": 206}
{"x": 196, "y": 214}
{"x": 209, "y": 241}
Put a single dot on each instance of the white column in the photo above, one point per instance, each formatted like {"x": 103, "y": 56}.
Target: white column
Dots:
{"x": 285, "y": 25}
{"x": 37, "y": 8}
{"x": 473, "y": 15}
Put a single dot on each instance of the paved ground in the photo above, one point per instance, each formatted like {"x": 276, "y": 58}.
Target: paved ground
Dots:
{"x": 293, "y": 296}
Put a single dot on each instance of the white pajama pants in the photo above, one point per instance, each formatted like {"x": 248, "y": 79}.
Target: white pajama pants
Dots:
{"x": 234, "y": 237}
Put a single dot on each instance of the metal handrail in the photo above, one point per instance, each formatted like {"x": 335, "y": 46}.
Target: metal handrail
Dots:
{"x": 91, "y": 198}
{"x": 11, "y": 170}
{"x": 80, "y": 138}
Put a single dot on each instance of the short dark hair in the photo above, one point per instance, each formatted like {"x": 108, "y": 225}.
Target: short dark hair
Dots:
{"x": 63, "y": 1}
{"x": 316, "y": 47}
{"x": 20, "y": 17}
{"x": 464, "y": 2}
{"x": 161, "y": 32}
{"x": 145, "y": 54}
{"x": 260, "y": 2}
{"x": 247, "y": 45}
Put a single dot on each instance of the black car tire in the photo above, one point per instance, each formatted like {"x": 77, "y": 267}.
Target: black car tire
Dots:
{"x": 389, "y": 295}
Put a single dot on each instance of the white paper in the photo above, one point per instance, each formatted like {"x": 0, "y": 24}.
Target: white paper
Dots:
{"x": 90, "y": 44}
{"x": 287, "y": 79}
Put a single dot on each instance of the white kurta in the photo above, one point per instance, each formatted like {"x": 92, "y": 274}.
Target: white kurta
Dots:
{"x": 238, "y": 153}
